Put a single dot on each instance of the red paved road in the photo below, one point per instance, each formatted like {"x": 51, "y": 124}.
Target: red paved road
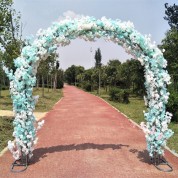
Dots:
{"x": 84, "y": 137}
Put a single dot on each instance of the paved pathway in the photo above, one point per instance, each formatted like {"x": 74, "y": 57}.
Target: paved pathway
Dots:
{"x": 84, "y": 137}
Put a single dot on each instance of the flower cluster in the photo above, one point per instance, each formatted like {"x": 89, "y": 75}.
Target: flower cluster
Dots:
{"x": 89, "y": 28}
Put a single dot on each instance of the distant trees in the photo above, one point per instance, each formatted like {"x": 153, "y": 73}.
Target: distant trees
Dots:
{"x": 170, "y": 47}
{"x": 98, "y": 58}
{"x": 127, "y": 75}
{"x": 73, "y": 74}
{"x": 132, "y": 76}
{"x": 112, "y": 72}
{"x": 49, "y": 74}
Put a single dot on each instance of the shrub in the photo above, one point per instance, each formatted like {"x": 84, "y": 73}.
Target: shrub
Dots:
{"x": 114, "y": 94}
{"x": 126, "y": 96}
{"x": 172, "y": 105}
{"x": 119, "y": 95}
{"x": 60, "y": 84}
{"x": 86, "y": 86}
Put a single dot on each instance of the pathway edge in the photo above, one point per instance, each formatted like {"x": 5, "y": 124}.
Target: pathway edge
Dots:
{"x": 133, "y": 122}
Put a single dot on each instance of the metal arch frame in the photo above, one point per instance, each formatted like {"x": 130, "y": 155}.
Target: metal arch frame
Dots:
{"x": 158, "y": 160}
{"x": 22, "y": 162}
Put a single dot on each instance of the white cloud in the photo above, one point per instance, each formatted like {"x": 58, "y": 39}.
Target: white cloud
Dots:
{"x": 69, "y": 15}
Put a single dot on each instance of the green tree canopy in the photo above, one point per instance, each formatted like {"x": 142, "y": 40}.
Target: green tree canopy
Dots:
{"x": 10, "y": 32}
{"x": 170, "y": 45}
{"x": 112, "y": 68}
{"x": 72, "y": 72}
{"x": 172, "y": 15}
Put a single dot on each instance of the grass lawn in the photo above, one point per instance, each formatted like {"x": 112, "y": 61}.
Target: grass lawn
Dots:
{"x": 43, "y": 105}
{"x": 134, "y": 110}
{"x": 50, "y": 98}
{"x": 6, "y": 129}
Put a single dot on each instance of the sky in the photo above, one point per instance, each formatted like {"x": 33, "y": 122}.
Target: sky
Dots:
{"x": 146, "y": 15}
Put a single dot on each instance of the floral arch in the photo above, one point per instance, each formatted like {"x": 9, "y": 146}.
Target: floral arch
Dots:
{"x": 61, "y": 33}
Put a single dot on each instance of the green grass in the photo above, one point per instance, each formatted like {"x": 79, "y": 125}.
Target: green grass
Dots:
{"x": 134, "y": 110}
{"x": 44, "y": 103}
{"x": 173, "y": 141}
{"x": 6, "y": 130}
{"x": 5, "y": 100}
{"x": 47, "y": 102}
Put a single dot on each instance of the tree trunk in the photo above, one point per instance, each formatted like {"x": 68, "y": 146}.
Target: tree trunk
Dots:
{"x": 42, "y": 86}
{"x": 51, "y": 82}
{"x": 0, "y": 89}
{"x": 175, "y": 83}
{"x": 4, "y": 79}
{"x": 37, "y": 82}
{"x": 75, "y": 80}
{"x": 55, "y": 81}
{"x": 99, "y": 82}
{"x": 48, "y": 82}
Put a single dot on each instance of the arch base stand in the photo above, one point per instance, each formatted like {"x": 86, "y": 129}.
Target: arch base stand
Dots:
{"x": 20, "y": 165}
{"x": 160, "y": 163}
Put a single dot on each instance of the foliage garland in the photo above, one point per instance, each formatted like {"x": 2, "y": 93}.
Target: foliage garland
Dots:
{"x": 61, "y": 33}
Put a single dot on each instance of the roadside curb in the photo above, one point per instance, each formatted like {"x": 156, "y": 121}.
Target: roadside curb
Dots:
{"x": 3, "y": 151}
{"x": 134, "y": 123}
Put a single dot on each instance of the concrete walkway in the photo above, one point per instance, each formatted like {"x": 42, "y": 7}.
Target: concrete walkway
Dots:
{"x": 84, "y": 137}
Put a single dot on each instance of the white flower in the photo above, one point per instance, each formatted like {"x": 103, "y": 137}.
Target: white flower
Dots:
{"x": 29, "y": 136}
{"x": 29, "y": 144}
{"x": 86, "y": 26}
{"x": 17, "y": 155}
{"x": 13, "y": 149}
{"x": 11, "y": 145}
{"x": 160, "y": 105}
{"x": 144, "y": 128}
{"x": 40, "y": 124}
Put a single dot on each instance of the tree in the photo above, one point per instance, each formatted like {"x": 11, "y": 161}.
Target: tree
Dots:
{"x": 98, "y": 64}
{"x": 87, "y": 81}
{"x": 98, "y": 58}
{"x": 170, "y": 45}
{"x": 10, "y": 32}
{"x": 112, "y": 71}
{"x": 49, "y": 73}
{"x": 131, "y": 74}
{"x": 45, "y": 68}
{"x": 55, "y": 69}
{"x": 71, "y": 74}
{"x": 10, "y": 36}
{"x": 137, "y": 77}
{"x": 172, "y": 15}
